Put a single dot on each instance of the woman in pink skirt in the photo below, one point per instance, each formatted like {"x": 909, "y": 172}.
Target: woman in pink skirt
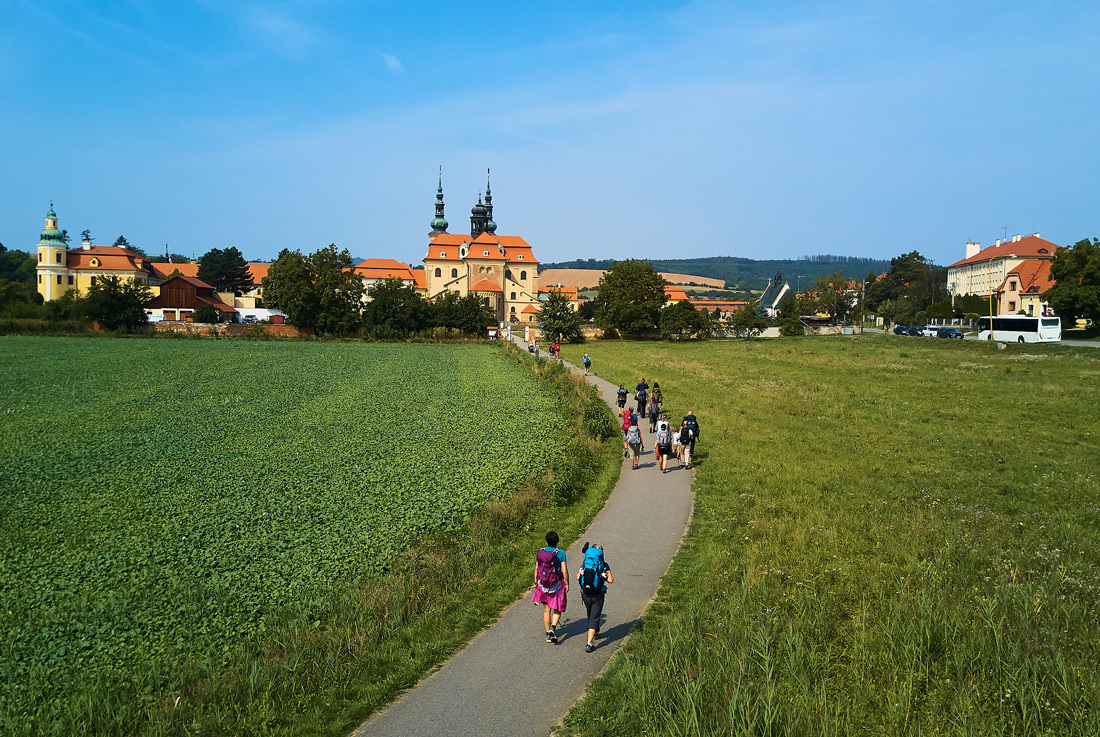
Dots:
{"x": 551, "y": 584}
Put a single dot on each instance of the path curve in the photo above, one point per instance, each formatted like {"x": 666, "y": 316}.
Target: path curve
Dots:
{"x": 508, "y": 680}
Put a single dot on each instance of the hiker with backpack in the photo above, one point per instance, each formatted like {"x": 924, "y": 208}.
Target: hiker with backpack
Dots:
{"x": 664, "y": 446}
{"x": 593, "y": 578}
{"x": 587, "y": 364}
{"x": 634, "y": 442}
{"x": 620, "y": 398}
{"x": 642, "y": 397}
{"x": 626, "y": 427}
{"x": 652, "y": 410}
{"x": 551, "y": 585}
{"x": 691, "y": 425}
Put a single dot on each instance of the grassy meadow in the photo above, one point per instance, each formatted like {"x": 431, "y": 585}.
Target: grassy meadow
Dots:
{"x": 891, "y": 536}
{"x": 227, "y": 537}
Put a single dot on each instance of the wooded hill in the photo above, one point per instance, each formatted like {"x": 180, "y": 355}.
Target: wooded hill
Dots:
{"x": 747, "y": 273}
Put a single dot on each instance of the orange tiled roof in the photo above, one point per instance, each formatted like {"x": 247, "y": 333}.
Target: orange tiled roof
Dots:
{"x": 449, "y": 239}
{"x": 420, "y": 278}
{"x": 675, "y": 294}
{"x": 1033, "y": 276}
{"x": 445, "y": 246}
{"x": 1031, "y": 246}
{"x": 384, "y": 268}
{"x": 164, "y": 269}
{"x": 445, "y": 251}
{"x": 570, "y": 292}
{"x": 259, "y": 271}
{"x": 109, "y": 258}
{"x": 486, "y": 285}
{"x": 530, "y": 308}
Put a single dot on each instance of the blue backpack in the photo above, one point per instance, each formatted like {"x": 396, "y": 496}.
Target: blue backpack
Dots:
{"x": 592, "y": 571}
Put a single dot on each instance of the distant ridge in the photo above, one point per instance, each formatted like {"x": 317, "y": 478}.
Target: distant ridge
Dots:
{"x": 747, "y": 273}
{"x": 590, "y": 278}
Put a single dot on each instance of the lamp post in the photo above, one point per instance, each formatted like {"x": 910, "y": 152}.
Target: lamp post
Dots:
{"x": 991, "y": 298}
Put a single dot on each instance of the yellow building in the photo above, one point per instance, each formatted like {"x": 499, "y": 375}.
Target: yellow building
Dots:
{"x": 501, "y": 268}
{"x": 61, "y": 270}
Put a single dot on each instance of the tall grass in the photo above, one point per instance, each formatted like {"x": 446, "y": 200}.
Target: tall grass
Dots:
{"x": 891, "y": 536}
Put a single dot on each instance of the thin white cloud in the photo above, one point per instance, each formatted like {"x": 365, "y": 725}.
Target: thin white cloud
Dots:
{"x": 392, "y": 62}
{"x": 288, "y": 36}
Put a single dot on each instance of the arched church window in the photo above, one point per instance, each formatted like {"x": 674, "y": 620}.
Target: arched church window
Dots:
{"x": 454, "y": 273}
{"x": 439, "y": 272}
{"x": 513, "y": 296}
{"x": 523, "y": 276}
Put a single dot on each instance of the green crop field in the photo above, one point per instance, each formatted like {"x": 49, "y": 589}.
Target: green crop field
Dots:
{"x": 891, "y": 536}
{"x": 164, "y": 504}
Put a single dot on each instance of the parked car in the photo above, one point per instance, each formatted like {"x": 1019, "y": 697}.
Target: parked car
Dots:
{"x": 915, "y": 330}
{"x": 929, "y": 331}
{"x": 901, "y": 330}
{"x": 949, "y": 333}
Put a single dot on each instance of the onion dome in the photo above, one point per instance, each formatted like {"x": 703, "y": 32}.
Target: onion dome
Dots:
{"x": 51, "y": 235}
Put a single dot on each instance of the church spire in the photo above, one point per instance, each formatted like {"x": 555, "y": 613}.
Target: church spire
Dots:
{"x": 439, "y": 223}
{"x": 490, "y": 226}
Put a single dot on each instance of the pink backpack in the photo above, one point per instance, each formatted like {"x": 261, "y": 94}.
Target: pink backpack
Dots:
{"x": 548, "y": 570}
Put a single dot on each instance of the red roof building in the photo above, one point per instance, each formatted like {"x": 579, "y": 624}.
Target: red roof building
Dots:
{"x": 985, "y": 269}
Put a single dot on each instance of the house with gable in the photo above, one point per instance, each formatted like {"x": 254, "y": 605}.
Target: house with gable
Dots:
{"x": 1022, "y": 289}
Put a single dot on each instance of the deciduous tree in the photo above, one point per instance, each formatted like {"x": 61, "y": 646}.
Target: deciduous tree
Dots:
{"x": 832, "y": 295}
{"x": 470, "y": 314}
{"x": 320, "y": 291}
{"x": 746, "y": 322}
{"x": 631, "y": 295}
{"x": 206, "y": 313}
{"x": 681, "y": 320}
{"x": 395, "y": 310}
{"x": 117, "y": 303}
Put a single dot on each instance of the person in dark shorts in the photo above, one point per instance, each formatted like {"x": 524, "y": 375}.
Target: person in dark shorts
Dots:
{"x": 620, "y": 398}
{"x": 593, "y": 577}
{"x": 664, "y": 447}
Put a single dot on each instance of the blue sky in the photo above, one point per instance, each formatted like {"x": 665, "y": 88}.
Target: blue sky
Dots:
{"x": 613, "y": 129}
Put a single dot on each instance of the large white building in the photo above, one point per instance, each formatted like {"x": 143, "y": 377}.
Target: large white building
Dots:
{"x": 984, "y": 270}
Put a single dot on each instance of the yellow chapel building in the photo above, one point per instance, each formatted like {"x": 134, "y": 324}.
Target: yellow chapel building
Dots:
{"x": 61, "y": 270}
{"x": 501, "y": 268}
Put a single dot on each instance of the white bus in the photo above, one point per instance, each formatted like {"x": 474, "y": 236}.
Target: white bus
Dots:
{"x": 1021, "y": 329}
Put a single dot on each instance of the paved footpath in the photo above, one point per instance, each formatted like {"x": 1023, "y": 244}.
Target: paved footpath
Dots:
{"x": 509, "y": 680}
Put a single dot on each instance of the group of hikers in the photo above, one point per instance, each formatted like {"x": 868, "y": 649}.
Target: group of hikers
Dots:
{"x": 551, "y": 571}
{"x": 678, "y": 442}
{"x": 555, "y": 352}
{"x": 552, "y": 586}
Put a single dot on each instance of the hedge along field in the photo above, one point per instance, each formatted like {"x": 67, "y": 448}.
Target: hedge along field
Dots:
{"x": 890, "y": 536}
{"x": 164, "y": 502}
